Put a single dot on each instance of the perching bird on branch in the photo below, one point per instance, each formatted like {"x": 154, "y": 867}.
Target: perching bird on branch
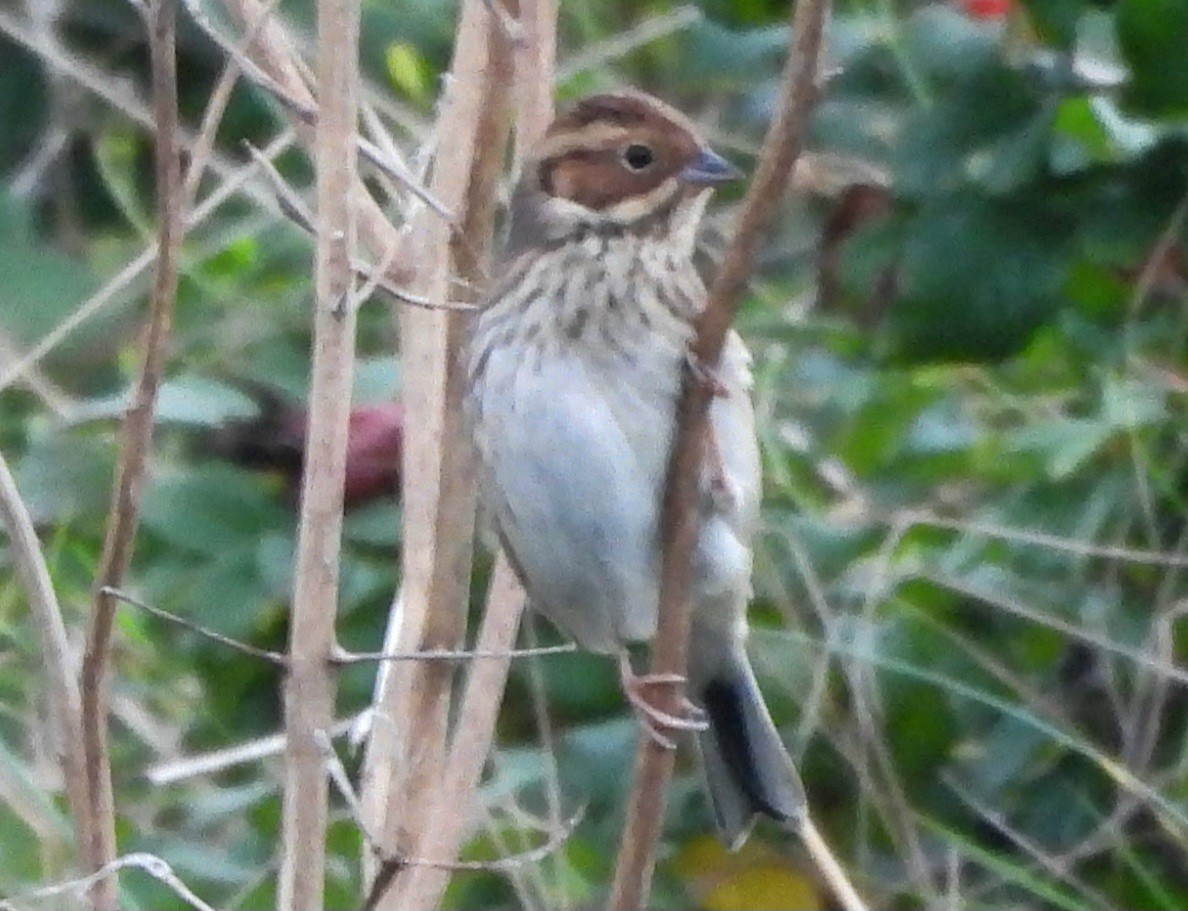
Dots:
{"x": 575, "y": 369}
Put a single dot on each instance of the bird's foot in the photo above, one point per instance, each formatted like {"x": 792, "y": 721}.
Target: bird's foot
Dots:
{"x": 654, "y": 720}
{"x": 705, "y": 375}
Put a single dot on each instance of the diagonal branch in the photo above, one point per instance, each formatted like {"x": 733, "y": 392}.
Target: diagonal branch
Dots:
{"x": 100, "y": 851}
{"x": 64, "y": 700}
{"x": 653, "y": 764}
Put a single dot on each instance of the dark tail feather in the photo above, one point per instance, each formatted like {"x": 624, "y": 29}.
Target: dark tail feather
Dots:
{"x": 747, "y": 770}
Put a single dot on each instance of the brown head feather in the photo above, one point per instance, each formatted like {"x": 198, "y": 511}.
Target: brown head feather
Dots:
{"x": 613, "y": 147}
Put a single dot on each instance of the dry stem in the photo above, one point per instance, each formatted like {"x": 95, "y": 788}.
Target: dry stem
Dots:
{"x": 273, "y": 52}
{"x": 100, "y": 850}
{"x": 65, "y": 702}
{"x": 311, "y": 684}
{"x": 475, "y": 727}
{"x": 451, "y": 809}
{"x": 403, "y": 768}
{"x": 653, "y": 764}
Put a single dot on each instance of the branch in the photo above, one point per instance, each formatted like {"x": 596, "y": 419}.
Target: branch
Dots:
{"x": 474, "y": 730}
{"x": 65, "y": 702}
{"x": 150, "y": 863}
{"x": 273, "y": 52}
{"x": 653, "y": 764}
{"x": 100, "y": 850}
{"x": 403, "y": 768}
{"x": 310, "y": 686}
{"x": 436, "y": 804}
{"x": 447, "y": 816}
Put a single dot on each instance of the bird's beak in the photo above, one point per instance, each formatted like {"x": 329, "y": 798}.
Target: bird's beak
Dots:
{"x": 709, "y": 168}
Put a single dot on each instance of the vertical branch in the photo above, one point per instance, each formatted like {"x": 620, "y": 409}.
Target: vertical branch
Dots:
{"x": 64, "y": 699}
{"x": 446, "y": 816}
{"x": 781, "y": 147}
{"x": 123, "y": 517}
{"x": 406, "y": 752}
{"x": 536, "y": 68}
{"x": 310, "y": 686}
{"x": 446, "y": 820}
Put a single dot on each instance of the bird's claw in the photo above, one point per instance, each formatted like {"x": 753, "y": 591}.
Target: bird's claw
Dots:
{"x": 705, "y": 375}
{"x": 656, "y": 721}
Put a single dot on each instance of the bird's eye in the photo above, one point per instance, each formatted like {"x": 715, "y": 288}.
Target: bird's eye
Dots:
{"x": 638, "y": 157}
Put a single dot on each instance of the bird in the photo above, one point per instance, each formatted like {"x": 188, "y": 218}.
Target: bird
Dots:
{"x": 275, "y": 440}
{"x": 574, "y": 366}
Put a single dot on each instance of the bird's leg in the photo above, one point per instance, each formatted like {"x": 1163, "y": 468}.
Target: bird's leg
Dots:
{"x": 655, "y": 721}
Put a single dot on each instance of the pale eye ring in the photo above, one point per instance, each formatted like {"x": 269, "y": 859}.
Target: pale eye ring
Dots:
{"x": 638, "y": 157}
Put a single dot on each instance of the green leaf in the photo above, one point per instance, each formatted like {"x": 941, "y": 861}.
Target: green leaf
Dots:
{"x": 407, "y": 71}
{"x": 40, "y": 287}
{"x": 66, "y": 475}
{"x": 1056, "y": 20}
{"x": 212, "y": 509}
{"x": 1153, "y": 35}
{"x": 978, "y": 278}
{"x": 191, "y": 400}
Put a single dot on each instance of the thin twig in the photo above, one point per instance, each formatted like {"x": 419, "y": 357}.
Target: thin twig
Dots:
{"x": 216, "y": 761}
{"x": 149, "y": 863}
{"x": 292, "y": 206}
{"x": 277, "y": 658}
{"x": 311, "y": 683}
{"x": 460, "y": 655}
{"x": 65, "y": 702}
{"x": 272, "y": 53}
{"x": 338, "y": 656}
{"x": 653, "y": 764}
{"x": 220, "y": 96}
{"x": 624, "y": 43}
{"x": 342, "y": 782}
{"x": 831, "y": 871}
{"x": 136, "y": 437}
{"x": 104, "y": 85}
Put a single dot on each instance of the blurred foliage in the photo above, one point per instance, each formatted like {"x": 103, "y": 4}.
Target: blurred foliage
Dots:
{"x": 970, "y": 337}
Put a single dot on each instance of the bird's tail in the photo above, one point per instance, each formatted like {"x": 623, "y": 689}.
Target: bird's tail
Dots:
{"x": 747, "y": 770}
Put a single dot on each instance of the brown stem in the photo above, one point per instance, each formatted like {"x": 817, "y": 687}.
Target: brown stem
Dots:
{"x": 653, "y": 764}
{"x": 403, "y": 769}
{"x": 451, "y": 807}
{"x": 311, "y": 683}
{"x": 100, "y": 849}
{"x": 450, "y": 810}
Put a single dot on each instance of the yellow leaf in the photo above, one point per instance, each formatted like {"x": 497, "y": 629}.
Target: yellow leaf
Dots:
{"x": 407, "y": 70}
{"x": 754, "y": 878}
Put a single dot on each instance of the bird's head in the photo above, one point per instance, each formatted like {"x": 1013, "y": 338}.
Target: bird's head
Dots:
{"x": 620, "y": 161}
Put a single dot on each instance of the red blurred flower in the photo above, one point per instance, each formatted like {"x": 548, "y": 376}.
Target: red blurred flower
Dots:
{"x": 987, "y": 9}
